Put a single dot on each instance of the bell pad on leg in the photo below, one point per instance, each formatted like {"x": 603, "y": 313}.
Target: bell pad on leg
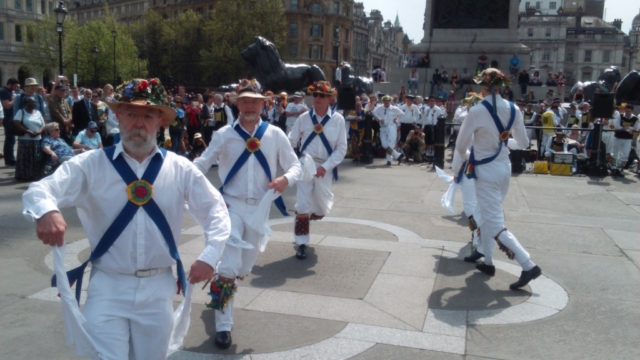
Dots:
{"x": 472, "y": 223}
{"x": 503, "y": 248}
{"x": 221, "y": 291}
{"x": 302, "y": 225}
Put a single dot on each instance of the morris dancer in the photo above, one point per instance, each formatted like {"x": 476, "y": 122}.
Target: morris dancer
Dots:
{"x": 322, "y": 134}
{"x": 388, "y": 115}
{"x": 625, "y": 126}
{"x": 430, "y": 115}
{"x": 132, "y": 231}
{"x": 486, "y": 132}
{"x": 248, "y": 154}
{"x": 409, "y": 119}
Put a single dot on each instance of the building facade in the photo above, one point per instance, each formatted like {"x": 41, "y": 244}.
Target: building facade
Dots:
{"x": 552, "y": 7}
{"x": 632, "y": 48}
{"x": 13, "y": 34}
{"x": 360, "y": 56}
{"x": 385, "y": 42}
{"x": 579, "y": 46}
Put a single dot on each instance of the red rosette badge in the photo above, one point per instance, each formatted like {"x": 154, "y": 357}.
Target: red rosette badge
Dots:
{"x": 252, "y": 145}
{"x": 318, "y": 128}
{"x": 139, "y": 192}
{"x": 504, "y": 136}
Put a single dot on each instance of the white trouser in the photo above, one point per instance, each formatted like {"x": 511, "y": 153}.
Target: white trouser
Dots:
{"x": 492, "y": 186}
{"x": 314, "y": 197}
{"x": 609, "y": 140}
{"x": 531, "y": 133}
{"x": 545, "y": 139}
{"x": 388, "y": 135}
{"x": 236, "y": 261}
{"x": 130, "y": 317}
{"x": 621, "y": 150}
{"x": 469, "y": 200}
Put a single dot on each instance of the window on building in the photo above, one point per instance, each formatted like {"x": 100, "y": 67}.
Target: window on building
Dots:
{"x": 336, "y": 8}
{"x": 546, "y": 55}
{"x": 568, "y": 56}
{"x": 43, "y": 7}
{"x": 606, "y": 56}
{"x": 336, "y": 32}
{"x": 530, "y": 32}
{"x": 608, "y": 35}
{"x": 588, "y": 35}
{"x": 29, "y": 35}
{"x": 18, "y": 33}
{"x": 538, "y": 5}
{"x": 346, "y": 35}
{"x": 334, "y": 56}
{"x": 527, "y": 5}
{"x": 293, "y": 51}
{"x": 552, "y": 5}
{"x": 293, "y": 29}
{"x": 294, "y": 5}
{"x": 547, "y": 32}
{"x": 587, "y": 56}
{"x": 586, "y": 76}
{"x": 316, "y": 8}
{"x": 315, "y": 52}
{"x": 18, "y": 5}
{"x": 571, "y": 34}
{"x": 1, "y": 4}
{"x": 1, "y": 31}
{"x": 315, "y": 30}
{"x": 50, "y": 7}
{"x": 29, "y": 5}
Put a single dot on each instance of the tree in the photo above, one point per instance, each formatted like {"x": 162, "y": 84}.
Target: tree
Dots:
{"x": 232, "y": 27}
{"x": 40, "y": 50}
{"x": 148, "y": 35}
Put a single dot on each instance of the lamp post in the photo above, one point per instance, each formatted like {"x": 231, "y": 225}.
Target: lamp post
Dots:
{"x": 114, "y": 33}
{"x": 61, "y": 14}
{"x": 75, "y": 76}
{"x": 138, "y": 63}
{"x": 95, "y": 65}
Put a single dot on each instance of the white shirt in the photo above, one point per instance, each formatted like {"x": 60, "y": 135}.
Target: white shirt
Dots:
{"x": 370, "y": 106}
{"x": 549, "y": 148}
{"x": 334, "y": 131}
{"x": 33, "y": 122}
{"x": 460, "y": 114}
{"x": 294, "y": 108}
{"x": 227, "y": 111}
{"x": 411, "y": 114}
{"x": 91, "y": 184}
{"x": 338, "y": 74}
{"x": 250, "y": 182}
{"x": 386, "y": 115}
{"x": 480, "y": 131}
{"x": 430, "y": 115}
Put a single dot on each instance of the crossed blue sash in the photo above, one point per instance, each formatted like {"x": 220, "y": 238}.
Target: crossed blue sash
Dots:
{"x": 461, "y": 172}
{"x": 259, "y": 156}
{"x": 126, "y": 215}
{"x": 325, "y": 142}
{"x": 470, "y": 171}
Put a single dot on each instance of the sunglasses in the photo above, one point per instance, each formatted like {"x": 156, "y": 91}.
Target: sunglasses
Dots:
{"x": 92, "y": 130}
{"x": 95, "y": 96}
{"x": 178, "y": 102}
{"x": 321, "y": 96}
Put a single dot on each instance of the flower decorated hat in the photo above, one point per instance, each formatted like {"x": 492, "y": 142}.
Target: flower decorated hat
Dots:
{"x": 472, "y": 99}
{"x": 321, "y": 87}
{"x": 492, "y": 77}
{"x": 145, "y": 93}
{"x": 249, "y": 88}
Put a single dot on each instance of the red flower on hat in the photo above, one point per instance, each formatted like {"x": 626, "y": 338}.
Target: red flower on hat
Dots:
{"x": 143, "y": 85}
{"x": 154, "y": 82}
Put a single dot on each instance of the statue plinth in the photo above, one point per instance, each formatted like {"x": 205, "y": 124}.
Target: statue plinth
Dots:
{"x": 457, "y": 31}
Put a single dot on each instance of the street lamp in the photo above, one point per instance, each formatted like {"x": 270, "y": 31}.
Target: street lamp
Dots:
{"x": 114, "y": 33}
{"x": 95, "y": 65}
{"x": 75, "y": 76}
{"x": 61, "y": 14}
{"x": 138, "y": 63}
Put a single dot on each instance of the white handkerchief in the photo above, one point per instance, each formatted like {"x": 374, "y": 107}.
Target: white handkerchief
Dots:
{"x": 181, "y": 321}
{"x": 448, "y": 197}
{"x": 308, "y": 168}
{"x": 448, "y": 179}
{"x": 260, "y": 219}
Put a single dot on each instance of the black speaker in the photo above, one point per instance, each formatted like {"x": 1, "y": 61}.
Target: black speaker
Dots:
{"x": 347, "y": 98}
{"x": 602, "y": 105}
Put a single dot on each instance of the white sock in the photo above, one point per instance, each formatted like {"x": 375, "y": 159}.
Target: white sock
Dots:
{"x": 527, "y": 265}
{"x": 488, "y": 261}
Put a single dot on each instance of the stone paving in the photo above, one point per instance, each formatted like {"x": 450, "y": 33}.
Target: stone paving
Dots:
{"x": 384, "y": 278}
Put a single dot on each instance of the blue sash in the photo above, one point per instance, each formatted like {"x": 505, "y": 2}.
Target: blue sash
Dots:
{"x": 325, "y": 142}
{"x": 258, "y": 154}
{"x": 461, "y": 172}
{"x": 504, "y": 138}
{"x": 126, "y": 215}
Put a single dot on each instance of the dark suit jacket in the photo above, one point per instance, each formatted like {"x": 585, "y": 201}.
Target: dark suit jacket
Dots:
{"x": 80, "y": 115}
{"x": 57, "y": 109}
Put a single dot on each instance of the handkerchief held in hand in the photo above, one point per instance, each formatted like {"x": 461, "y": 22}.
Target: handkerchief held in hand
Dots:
{"x": 181, "y": 321}
{"x": 260, "y": 219}
{"x": 74, "y": 331}
{"x": 448, "y": 179}
{"x": 448, "y": 197}
{"x": 308, "y": 168}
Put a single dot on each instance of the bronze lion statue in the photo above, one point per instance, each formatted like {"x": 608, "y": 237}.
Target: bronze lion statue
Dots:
{"x": 629, "y": 89}
{"x": 266, "y": 66}
{"x": 605, "y": 83}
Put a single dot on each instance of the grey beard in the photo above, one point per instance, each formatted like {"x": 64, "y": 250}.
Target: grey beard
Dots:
{"x": 250, "y": 118}
{"x": 137, "y": 142}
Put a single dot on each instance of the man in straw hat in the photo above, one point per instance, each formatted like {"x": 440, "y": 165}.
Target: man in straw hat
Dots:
{"x": 323, "y": 136}
{"x": 485, "y": 133}
{"x": 248, "y": 155}
{"x": 130, "y": 200}
{"x": 387, "y": 115}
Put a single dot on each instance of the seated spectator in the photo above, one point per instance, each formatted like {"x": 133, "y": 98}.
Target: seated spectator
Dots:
{"x": 482, "y": 62}
{"x": 198, "y": 147}
{"x": 89, "y": 138}
{"x": 402, "y": 93}
{"x": 412, "y": 60}
{"x": 556, "y": 144}
{"x": 514, "y": 64}
{"x": 425, "y": 61}
{"x": 436, "y": 80}
{"x": 507, "y": 93}
{"x": 535, "y": 79}
{"x": 30, "y": 123}
{"x": 576, "y": 140}
{"x": 441, "y": 93}
{"x": 578, "y": 97}
{"x": 451, "y": 99}
{"x": 465, "y": 78}
{"x": 414, "y": 146}
{"x": 52, "y": 145}
{"x": 455, "y": 78}
{"x": 468, "y": 91}
{"x": 530, "y": 96}
{"x": 445, "y": 77}
{"x": 549, "y": 96}
{"x": 550, "y": 80}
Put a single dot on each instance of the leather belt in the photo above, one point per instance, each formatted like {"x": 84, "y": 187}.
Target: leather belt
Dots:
{"x": 150, "y": 272}
{"x": 251, "y": 201}
{"x": 319, "y": 160}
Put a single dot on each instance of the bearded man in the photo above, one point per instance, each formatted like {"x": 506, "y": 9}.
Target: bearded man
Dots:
{"x": 132, "y": 232}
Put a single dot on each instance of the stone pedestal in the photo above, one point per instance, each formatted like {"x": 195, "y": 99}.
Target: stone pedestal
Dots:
{"x": 457, "y": 31}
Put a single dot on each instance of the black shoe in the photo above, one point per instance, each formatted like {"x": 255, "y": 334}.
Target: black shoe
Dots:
{"x": 487, "y": 269}
{"x": 302, "y": 252}
{"x": 475, "y": 256}
{"x": 525, "y": 277}
{"x": 389, "y": 163}
{"x": 10, "y": 163}
{"x": 400, "y": 159}
{"x": 223, "y": 339}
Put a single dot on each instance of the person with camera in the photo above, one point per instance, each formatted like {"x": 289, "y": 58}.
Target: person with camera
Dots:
{"x": 414, "y": 145}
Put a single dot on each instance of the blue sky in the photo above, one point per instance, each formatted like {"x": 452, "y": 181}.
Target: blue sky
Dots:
{"x": 411, "y": 13}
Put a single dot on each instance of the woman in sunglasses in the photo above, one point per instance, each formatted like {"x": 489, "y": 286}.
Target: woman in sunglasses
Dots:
{"x": 89, "y": 138}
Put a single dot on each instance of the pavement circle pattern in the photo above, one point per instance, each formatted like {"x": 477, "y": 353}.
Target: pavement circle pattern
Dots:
{"x": 437, "y": 329}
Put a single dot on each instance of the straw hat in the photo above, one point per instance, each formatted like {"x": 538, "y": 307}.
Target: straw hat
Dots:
{"x": 30, "y": 82}
{"x": 145, "y": 93}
